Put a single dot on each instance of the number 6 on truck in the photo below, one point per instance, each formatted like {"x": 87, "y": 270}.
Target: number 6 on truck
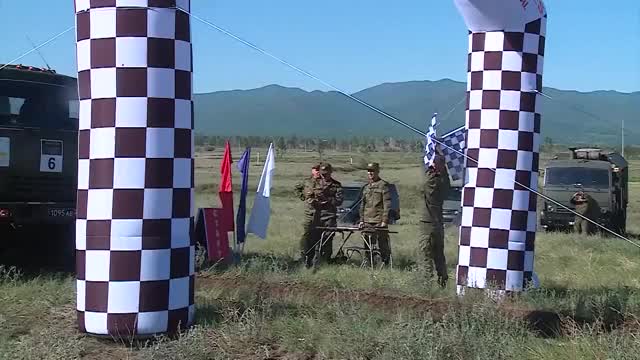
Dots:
{"x": 51, "y": 155}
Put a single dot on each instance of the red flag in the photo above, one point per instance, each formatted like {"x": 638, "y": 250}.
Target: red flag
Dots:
{"x": 226, "y": 190}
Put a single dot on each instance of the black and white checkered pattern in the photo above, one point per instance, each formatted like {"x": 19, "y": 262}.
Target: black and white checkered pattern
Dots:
{"x": 453, "y": 152}
{"x": 135, "y": 248}
{"x": 498, "y": 227}
{"x": 430, "y": 146}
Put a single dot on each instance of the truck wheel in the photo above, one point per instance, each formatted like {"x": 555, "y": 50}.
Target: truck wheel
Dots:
{"x": 67, "y": 250}
{"x": 622, "y": 224}
{"x": 5, "y": 233}
{"x": 612, "y": 224}
{"x": 60, "y": 247}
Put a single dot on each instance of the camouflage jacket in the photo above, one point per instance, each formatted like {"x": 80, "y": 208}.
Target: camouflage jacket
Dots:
{"x": 434, "y": 191}
{"x": 376, "y": 202}
{"x": 303, "y": 189}
{"x": 320, "y": 195}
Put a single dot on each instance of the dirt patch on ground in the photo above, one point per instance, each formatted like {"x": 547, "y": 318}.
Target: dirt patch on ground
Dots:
{"x": 263, "y": 351}
{"x": 547, "y": 323}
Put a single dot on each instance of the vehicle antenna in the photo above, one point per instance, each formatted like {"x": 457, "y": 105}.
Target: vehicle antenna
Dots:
{"x": 622, "y": 137}
{"x": 39, "y": 53}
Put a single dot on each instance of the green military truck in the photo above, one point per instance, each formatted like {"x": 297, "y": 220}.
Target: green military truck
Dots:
{"x": 38, "y": 159}
{"x": 452, "y": 204}
{"x": 602, "y": 174}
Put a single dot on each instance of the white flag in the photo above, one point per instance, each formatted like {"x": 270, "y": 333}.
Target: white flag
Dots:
{"x": 261, "y": 210}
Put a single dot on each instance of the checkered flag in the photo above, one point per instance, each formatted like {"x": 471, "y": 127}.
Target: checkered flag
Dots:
{"x": 453, "y": 150}
{"x": 430, "y": 147}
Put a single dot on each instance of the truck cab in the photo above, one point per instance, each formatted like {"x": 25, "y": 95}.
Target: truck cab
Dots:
{"x": 38, "y": 151}
{"x": 601, "y": 174}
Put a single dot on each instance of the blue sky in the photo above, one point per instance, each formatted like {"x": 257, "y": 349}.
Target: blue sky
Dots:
{"x": 591, "y": 45}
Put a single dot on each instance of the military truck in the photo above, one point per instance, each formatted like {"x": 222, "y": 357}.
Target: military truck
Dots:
{"x": 38, "y": 158}
{"x": 602, "y": 174}
{"x": 349, "y": 211}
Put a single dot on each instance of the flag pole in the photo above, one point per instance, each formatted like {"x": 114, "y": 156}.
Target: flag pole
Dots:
{"x": 236, "y": 259}
{"x": 236, "y": 254}
{"x": 235, "y": 242}
{"x": 235, "y": 247}
{"x": 226, "y": 198}
{"x": 235, "y": 238}
{"x": 243, "y": 166}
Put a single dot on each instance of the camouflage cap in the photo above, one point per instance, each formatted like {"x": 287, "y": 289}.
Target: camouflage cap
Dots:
{"x": 316, "y": 166}
{"x": 325, "y": 168}
{"x": 374, "y": 166}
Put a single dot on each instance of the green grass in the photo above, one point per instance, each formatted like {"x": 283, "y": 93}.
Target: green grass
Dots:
{"x": 269, "y": 307}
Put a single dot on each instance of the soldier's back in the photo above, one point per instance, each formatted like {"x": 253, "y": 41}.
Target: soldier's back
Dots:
{"x": 594, "y": 207}
{"x": 434, "y": 191}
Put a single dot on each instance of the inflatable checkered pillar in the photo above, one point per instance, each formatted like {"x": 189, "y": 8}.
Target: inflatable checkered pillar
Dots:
{"x": 135, "y": 248}
{"x": 498, "y": 227}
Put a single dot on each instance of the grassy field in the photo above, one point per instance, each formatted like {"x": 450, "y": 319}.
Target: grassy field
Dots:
{"x": 269, "y": 307}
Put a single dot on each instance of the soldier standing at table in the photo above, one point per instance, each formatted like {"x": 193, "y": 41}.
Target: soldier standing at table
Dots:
{"x": 374, "y": 210}
{"x": 435, "y": 187}
{"x": 305, "y": 191}
{"x": 329, "y": 195}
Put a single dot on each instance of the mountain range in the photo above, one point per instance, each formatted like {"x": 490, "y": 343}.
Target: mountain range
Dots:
{"x": 568, "y": 116}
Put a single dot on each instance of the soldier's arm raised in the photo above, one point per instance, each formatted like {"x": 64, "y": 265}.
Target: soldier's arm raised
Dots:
{"x": 573, "y": 199}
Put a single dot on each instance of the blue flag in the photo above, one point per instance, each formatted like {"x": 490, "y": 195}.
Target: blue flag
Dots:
{"x": 243, "y": 166}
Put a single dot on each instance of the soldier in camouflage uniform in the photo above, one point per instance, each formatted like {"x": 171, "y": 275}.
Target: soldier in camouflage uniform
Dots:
{"x": 304, "y": 191}
{"x": 588, "y": 207}
{"x": 374, "y": 210}
{"x": 322, "y": 196}
{"x": 435, "y": 187}
{"x": 330, "y": 195}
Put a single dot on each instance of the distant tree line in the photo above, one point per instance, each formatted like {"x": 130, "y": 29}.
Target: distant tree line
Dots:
{"x": 362, "y": 144}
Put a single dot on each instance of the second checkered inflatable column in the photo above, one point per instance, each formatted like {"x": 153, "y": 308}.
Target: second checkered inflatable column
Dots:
{"x": 135, "y": 249}
{"x": 498, "y": 227}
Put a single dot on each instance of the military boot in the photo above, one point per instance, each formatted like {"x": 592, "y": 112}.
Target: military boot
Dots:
{"x": 442, "y": 281}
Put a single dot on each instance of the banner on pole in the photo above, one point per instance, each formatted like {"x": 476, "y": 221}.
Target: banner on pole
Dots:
{"x": 212, "y": 234}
